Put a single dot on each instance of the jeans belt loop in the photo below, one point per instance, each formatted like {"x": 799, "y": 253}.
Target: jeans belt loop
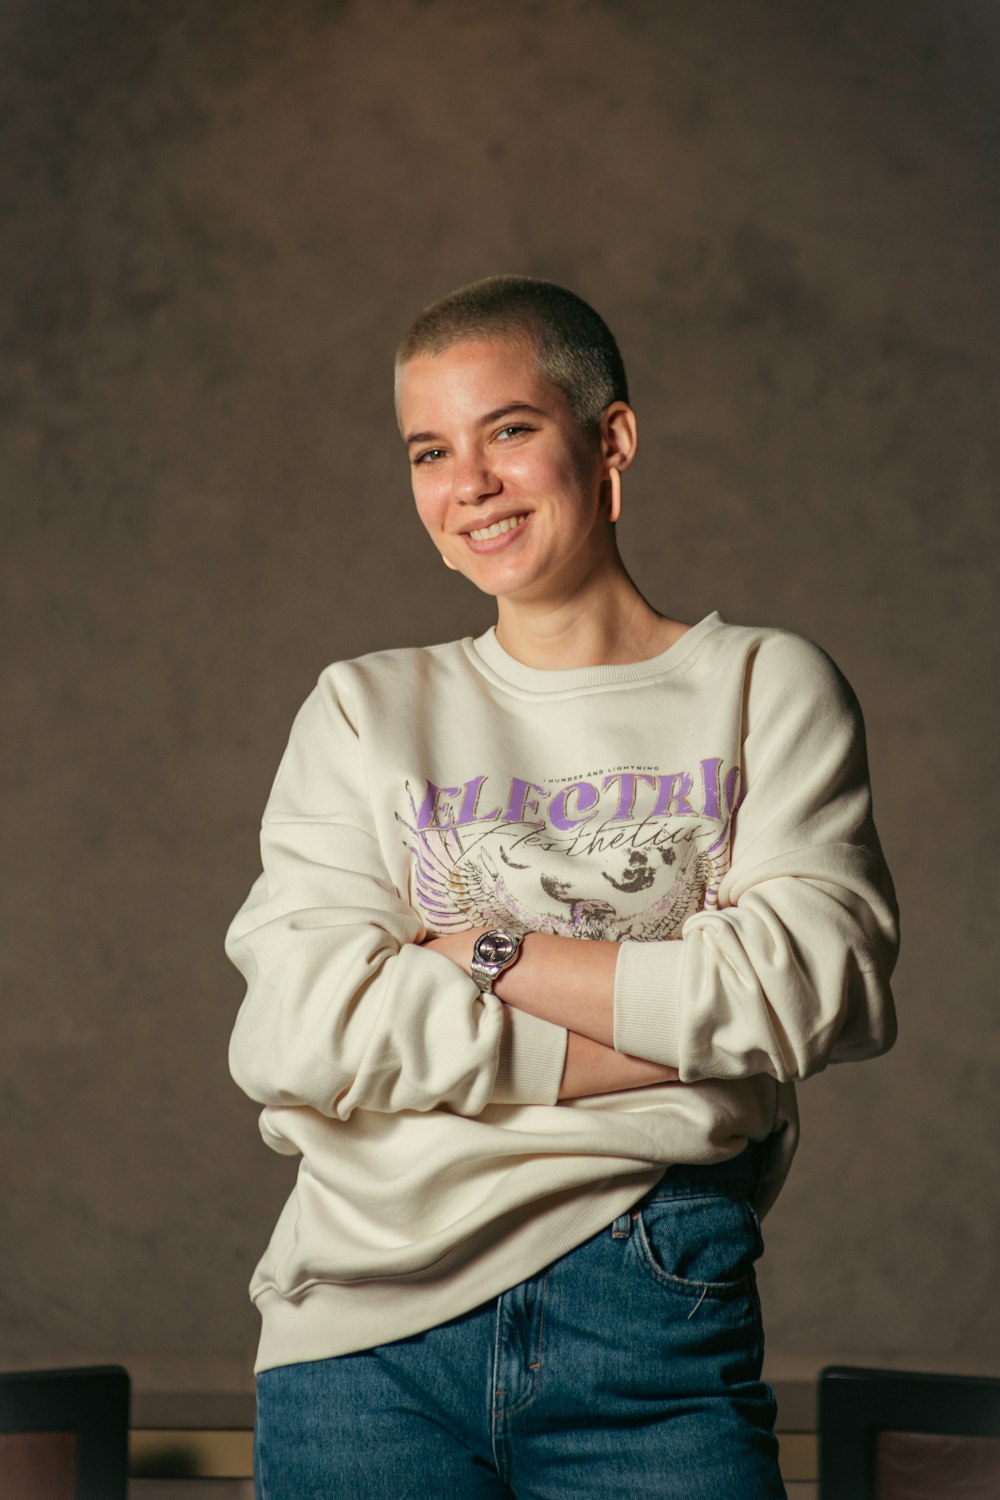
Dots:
{"x": 622, "y": 1227}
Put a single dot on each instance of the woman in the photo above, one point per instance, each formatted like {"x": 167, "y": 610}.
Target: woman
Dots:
{"x": 550, "y": 923}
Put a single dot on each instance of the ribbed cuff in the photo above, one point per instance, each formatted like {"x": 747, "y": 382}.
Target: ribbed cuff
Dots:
{"x": 532, "y": 1059}
{"x": 647, "y": 999}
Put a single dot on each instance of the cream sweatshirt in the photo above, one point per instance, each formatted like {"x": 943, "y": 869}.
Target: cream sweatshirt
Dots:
{"x": 709, "y": 810}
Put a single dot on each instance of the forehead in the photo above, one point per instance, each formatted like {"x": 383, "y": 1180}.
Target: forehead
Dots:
{"x": 471, "y": 378}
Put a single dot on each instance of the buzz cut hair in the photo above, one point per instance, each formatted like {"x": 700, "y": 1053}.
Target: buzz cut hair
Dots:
{"x": 573, "y": 346}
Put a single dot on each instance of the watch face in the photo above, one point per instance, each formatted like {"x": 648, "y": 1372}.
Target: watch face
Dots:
{"x": 495, "y": 947}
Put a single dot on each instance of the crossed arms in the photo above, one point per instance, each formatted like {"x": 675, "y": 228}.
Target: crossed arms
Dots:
{"x": 569, "y": 984}
{"x": 351, "y": 1003}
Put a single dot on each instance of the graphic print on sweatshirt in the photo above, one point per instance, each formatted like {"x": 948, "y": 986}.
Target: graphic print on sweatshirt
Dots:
{"x": 618, "y": 853}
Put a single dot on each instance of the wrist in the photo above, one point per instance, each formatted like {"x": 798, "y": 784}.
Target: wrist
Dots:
{"x": 493, "y": 953}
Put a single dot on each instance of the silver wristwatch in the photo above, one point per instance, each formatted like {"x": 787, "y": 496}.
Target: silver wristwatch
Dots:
{"x": 495, "y": 951}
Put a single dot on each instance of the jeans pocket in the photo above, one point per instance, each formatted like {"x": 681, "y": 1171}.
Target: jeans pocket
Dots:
{"x": 699, "y": 1246}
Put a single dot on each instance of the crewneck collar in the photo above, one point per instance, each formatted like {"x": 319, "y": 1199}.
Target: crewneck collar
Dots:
{"x": 491, "y": 658}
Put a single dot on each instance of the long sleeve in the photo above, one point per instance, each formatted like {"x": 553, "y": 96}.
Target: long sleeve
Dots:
{"x": 707, "y": 811}
{"x": 791, "y": 970}
{"x": 344, "y": 1010}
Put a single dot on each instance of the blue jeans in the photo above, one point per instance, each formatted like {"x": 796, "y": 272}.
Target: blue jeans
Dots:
{"x": 633, "y": 1360}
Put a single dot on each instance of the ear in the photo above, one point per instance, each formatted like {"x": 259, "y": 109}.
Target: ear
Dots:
{"x": 619, "y": 434}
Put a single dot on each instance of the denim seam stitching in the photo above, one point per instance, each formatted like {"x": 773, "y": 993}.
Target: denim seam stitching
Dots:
{"x": 494, "y": 1398}
{"x": 513, "y": 1411}
{"x": 264, "y": 1485}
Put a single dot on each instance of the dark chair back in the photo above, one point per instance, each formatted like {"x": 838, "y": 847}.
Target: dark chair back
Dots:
{"x": 894, "y": 1435}
{"x": 64, "y": 1434}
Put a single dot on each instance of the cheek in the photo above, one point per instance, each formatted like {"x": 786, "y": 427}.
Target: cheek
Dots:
{"x": 432, "y": 517}
{"x": 569, "y": 468}
{"x": 429, "y": 509}
{"x": 587, "y": 468}
{"x": 553, "y": 478}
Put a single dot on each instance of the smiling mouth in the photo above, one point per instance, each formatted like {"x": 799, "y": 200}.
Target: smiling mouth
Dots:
{"x": 486, "y": 533}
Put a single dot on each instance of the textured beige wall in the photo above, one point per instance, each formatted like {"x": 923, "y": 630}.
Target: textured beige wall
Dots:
{"x": 214, "y": 221}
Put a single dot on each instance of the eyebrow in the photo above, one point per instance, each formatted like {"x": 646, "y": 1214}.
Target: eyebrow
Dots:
{"x": 491, "y": 416}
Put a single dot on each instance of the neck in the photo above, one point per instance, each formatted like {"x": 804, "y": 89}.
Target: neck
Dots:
{"x": 607, "y": 622}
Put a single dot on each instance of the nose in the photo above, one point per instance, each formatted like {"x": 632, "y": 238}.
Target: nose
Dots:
{"x": 473, "y": 479}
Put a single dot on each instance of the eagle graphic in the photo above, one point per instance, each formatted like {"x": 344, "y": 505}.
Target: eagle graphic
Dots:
{"x": 523, "y": 876}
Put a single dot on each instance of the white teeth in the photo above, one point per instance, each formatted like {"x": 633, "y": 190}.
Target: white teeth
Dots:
{"x": 486, "y": 532}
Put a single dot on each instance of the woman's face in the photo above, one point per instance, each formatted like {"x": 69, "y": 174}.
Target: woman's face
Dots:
{"x": 506, "y": 482}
